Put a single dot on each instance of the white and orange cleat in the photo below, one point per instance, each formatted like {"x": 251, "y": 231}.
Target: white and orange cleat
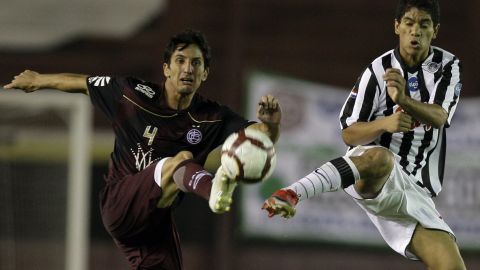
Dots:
{"x": 282, "y": 202}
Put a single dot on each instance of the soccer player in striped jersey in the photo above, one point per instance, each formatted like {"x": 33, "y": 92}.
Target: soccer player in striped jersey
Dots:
{"x": 167, "y": 141}
{"x": 394, "y": 121}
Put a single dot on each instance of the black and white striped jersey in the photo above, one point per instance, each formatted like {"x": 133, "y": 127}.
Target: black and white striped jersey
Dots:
{"x": 436, "y": 81}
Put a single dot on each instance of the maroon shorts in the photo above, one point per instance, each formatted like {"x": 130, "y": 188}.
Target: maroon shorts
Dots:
{"x": 146, "y": 234}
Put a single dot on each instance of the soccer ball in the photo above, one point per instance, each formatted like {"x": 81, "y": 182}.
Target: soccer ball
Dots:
{"x": 248, "y": 156}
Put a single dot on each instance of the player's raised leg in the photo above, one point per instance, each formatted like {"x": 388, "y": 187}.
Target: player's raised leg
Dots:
{"x": 181, "y": 173}
{"x": 374, "y": 164}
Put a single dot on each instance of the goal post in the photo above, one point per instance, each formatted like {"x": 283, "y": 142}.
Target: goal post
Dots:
{"x": 76, "y": 111}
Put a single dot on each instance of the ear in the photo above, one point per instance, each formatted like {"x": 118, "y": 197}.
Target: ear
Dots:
{"x": 435, "y": 31}
{"x": 166, "y": 70}
{"x": 396, "y": 26}
{"x": 205, "y": 74}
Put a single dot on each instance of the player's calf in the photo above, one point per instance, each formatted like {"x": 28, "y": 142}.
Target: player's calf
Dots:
{"x": 193, "y": 178}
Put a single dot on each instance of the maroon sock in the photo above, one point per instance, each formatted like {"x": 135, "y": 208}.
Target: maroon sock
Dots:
{"x": 193, "y": 178}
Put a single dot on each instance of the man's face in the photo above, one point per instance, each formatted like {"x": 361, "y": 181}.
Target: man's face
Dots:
{"x": 416, "y": 32}
{"x": 186, "y": 70}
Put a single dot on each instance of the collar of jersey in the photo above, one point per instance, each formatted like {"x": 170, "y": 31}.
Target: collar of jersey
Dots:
{"x": 411, "y": 69}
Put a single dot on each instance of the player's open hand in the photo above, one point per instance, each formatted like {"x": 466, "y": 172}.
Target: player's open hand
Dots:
{"x": 26, "y": 81}
{"x": 282, "y": 202}
{"x": 268, "y": 110}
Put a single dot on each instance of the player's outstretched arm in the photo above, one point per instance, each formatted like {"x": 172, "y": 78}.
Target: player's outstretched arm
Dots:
{"x": 270, "y": 114}
{"x": 282, "y": 202}
{"x": 30, "y": 81}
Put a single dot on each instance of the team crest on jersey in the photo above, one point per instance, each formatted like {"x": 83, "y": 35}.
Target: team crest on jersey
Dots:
{"x": 194, "y": 136}
{"x": 99, "y": 80}
{"x": 431, "y": 67}
{"x": 146, "y": 90}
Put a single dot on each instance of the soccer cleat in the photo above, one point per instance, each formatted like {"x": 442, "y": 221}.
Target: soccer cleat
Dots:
{"x": 281, "y": 202}
{"x": 221, "y": 193}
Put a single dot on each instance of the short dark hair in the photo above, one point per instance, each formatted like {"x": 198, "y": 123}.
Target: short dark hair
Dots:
{"x": 432, "y": 7}
{"x": 188, "y": 37}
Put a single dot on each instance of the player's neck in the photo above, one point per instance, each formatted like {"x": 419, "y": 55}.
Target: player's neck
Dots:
{"x": 178, "y": 102}
{"x": 413, "y": 60}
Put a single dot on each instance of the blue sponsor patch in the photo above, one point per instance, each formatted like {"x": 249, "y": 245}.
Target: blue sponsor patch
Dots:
{"x": 413, "y": 84}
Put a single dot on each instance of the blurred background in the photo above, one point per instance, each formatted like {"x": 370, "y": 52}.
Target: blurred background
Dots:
{"x": 309, "y": 44}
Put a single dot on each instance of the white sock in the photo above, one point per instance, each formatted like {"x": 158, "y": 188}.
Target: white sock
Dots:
{"x": 340, "y": 172}
{"x": 158, "y": 171}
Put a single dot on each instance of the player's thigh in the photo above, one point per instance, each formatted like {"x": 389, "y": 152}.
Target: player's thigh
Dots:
{"x": 213, "y": 160}
{"x": 437, "y": 249}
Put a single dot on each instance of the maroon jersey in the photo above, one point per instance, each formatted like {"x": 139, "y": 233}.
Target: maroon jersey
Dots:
{"x": 147, "y": 130}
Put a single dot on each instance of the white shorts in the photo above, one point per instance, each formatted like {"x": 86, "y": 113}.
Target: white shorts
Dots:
{"x": 399, "y": 207}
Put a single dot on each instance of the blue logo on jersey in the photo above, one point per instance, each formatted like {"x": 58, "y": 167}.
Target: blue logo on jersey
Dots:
{"x": 413, "y": 84}
{"x": 458, "y": 88}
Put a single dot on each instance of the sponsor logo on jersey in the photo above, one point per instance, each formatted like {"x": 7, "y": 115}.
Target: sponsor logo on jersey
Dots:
{"x": 146, "y": 90}
{"x": 431, "y": 67}
{"x": 413, "y": 83}
{"x": 194, "y": 136}
{"x": 142, "y": 158}
{"x": 99, "y": 80}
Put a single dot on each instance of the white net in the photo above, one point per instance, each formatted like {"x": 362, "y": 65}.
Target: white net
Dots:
{"x": 44, "y": 180}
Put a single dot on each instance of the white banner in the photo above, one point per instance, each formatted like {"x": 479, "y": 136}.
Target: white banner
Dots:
{"x": 310, "y": 136}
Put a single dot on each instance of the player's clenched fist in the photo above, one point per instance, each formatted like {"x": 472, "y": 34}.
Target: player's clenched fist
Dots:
{"x": 25, "y": 81}
{"x": 281, "y": 202}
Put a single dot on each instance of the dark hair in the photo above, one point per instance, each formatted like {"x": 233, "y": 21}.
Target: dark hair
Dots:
{"x": 432, "y": 7}
{"x": 188, "y": 37}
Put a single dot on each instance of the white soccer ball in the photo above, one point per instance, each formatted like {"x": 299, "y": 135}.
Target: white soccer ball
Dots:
{"x": 249, "y": 156}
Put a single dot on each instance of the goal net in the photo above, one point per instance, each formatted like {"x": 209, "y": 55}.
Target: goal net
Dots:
{"x": 44, "y": 180}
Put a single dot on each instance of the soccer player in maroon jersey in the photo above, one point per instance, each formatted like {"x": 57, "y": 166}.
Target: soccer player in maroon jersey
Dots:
{"x": 394, "y": 122}
{"x": 167, "y": 141}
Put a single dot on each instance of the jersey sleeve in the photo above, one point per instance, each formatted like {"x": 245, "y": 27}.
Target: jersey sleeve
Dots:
{"x": 232, "y": 123}
{"x": 448, "y": 89}
{"x": 362, "y": 101}
{"x": 105, "y": 93}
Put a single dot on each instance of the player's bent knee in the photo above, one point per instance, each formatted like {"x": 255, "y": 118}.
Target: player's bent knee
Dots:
{"x": 381, "y": 162}
{"x": 172, "y": 163}
{"x": 375, "y": 166}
